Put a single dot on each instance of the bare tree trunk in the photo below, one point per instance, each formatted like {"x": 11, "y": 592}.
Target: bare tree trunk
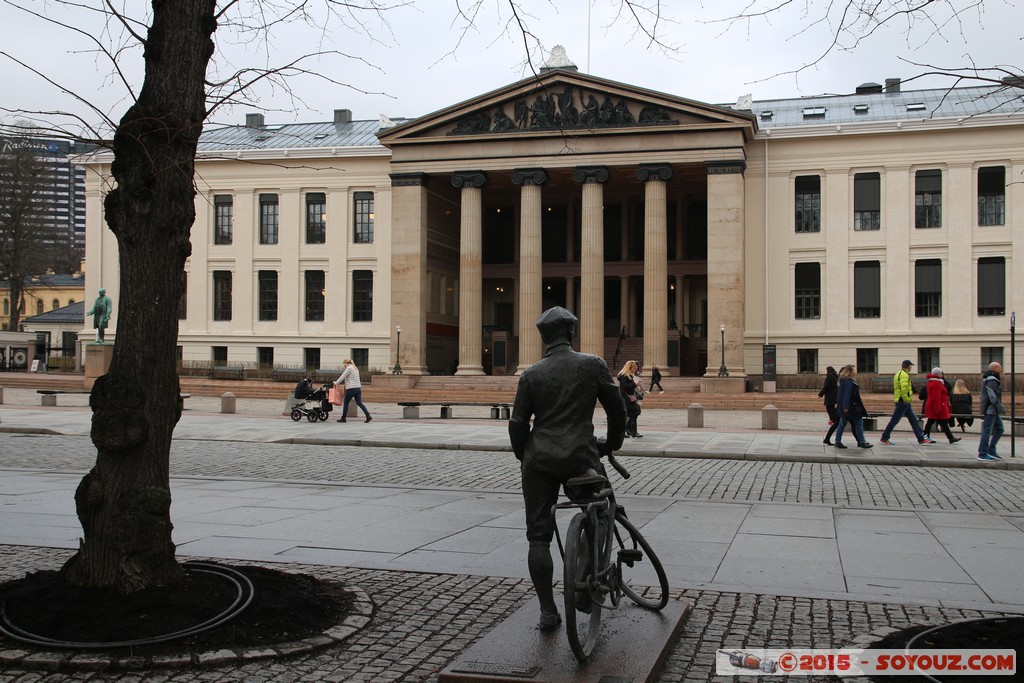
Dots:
{"x": 124, "y": 501}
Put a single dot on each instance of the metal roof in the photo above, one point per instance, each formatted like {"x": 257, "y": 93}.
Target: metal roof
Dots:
{"x": 48, "y": 280}
{"x": 72, "y": 313}
{"x": 293, "y": 136}
{"x": 889, "y": 106}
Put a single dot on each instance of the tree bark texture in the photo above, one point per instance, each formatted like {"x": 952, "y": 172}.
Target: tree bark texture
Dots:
{"x": 124, "y": 501}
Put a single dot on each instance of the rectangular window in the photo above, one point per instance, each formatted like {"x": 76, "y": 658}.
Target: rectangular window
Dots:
{"x": 927, "y": 358}
{"x": 223, "y": 206}
{"x": 867, "y": 360}
{"x": 362, "y": 295}
{"x": 867, "y": 289}
{"x": 361, "y": 359}
{"x": 992, "y": 285}
{"x": 807, "y": 361}
{"x": 928, "y": 199}
{"x": 316, "y": 212}
{"x": 267, "y": 283}
{"x": 311, "y": 358}
{"x": 219, "y": 354}
{"x": 808, "y": 291}
{"x": 808, "y": 203}
{"x": 989, "y": 355}
{"x": 928, "y": 288}
{"x": 183, "y": 301}
{"x": 992, "y": 195}
{"x": 867, "y": 201}
{"x": 315, "y": 294}
{"x": 222, "y": 295}
{"x": 268, "y": 219}
{"x": 265, "y": 357}
{"x": 364, "y": 217}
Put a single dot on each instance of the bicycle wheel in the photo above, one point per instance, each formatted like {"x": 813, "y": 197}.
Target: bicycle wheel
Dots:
{"x": 581, "y": 627}
{"x": 633, "y": 547}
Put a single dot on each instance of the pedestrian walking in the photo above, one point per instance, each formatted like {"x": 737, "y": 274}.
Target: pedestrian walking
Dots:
{"x": 656, "y": 380}
{"x": 353, "y": 389}
{"x": 902, "y": 395}
{"x": 990, "y": 402}
{"x": 828, "y": 393}
{"x": 936, "y": 407}
{"x": 629, "y": 386}
{"x": 961, "y": 406}
{"x": 850, "y": 407}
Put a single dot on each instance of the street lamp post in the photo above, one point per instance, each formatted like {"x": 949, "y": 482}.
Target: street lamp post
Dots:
{"x": 398, "y": 350}
{"x": 722, "y": 370}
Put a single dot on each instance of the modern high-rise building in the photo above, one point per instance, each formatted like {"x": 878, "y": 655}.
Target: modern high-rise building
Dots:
{"x": 63, "y": 194}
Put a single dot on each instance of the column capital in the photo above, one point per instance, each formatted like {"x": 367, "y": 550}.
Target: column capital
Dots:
{"x": 591, "y": 174}
{"x": 654, "y": 172}
{"x": 408, "y": 179}
{"x": 529, "y": 176}
{"x": 469, "y": 179}
{"x": 725, "y": 167}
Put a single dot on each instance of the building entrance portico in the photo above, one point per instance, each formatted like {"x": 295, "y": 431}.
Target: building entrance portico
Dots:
{"x": 633, "y": 221}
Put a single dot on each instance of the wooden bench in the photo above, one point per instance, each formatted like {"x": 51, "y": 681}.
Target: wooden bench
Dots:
{"x": 48, "y": 397}
{"x": 287, "y": 374}
{"x": 227, "y": 372}
{"x": 411, "y": 409}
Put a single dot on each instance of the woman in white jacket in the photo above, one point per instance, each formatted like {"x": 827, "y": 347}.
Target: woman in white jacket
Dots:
{"x": 353, "y": 389}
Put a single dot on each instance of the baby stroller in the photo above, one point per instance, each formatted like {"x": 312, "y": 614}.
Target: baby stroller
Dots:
{"x": 314, "y": 405}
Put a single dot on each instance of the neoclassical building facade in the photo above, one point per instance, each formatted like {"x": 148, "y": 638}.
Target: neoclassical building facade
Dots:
{"x": 797, "y": 233}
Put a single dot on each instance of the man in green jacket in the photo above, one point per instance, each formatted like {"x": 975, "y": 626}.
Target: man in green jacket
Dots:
{"x": 902, "y": 395}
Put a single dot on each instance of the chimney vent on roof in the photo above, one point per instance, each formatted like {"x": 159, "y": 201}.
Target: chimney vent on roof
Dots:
{"x": 865, "y": 88}
{"x": 342, "y": 116}
{"x": 892, "y": 85}
{"x": 254, "y": 120}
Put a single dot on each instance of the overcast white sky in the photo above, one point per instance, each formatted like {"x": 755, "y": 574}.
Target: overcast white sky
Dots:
{"x": 421, "y": 66}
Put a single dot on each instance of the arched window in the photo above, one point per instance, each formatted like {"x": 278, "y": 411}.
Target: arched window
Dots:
{"x": 56, "y": 305}
{"x": 70, "y": 301}
{"x": 39, "y": 306}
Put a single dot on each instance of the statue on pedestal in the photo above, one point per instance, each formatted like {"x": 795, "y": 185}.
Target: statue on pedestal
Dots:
{"x": 100, "y": 312}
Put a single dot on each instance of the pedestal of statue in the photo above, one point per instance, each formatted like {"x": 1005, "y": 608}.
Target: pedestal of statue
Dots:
{"x": 97, "y": 361}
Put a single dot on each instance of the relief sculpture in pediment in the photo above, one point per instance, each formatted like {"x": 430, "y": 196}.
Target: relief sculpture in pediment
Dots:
{"x": 565, "y": 110}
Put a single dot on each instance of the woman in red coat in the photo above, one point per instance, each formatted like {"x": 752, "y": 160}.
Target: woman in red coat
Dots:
{"x": 936, "y": 406}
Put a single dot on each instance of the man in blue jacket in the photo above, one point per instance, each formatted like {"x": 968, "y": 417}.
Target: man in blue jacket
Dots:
{"x": 903, "y": 394}
{"x": 992, "y": 408}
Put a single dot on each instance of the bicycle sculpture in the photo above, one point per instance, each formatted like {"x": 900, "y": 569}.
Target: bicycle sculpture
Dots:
{"x": 601, "y": 544}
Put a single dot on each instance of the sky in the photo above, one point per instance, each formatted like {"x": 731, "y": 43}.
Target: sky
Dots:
{"x": 423, "y": 58}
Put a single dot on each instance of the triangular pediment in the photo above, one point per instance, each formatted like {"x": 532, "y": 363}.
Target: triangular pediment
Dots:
{"x": 566, "y": 102}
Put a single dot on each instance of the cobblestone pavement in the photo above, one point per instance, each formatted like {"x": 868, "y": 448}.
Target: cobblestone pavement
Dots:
{"x": 930, "y": 488}
{"x": 424, "y": 620}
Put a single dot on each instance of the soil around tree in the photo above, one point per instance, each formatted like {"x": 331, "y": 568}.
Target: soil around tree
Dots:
{"x": 1004, "y": 633}
{"x": 285, "y": 607}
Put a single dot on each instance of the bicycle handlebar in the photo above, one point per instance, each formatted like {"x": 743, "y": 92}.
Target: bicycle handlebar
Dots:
{"x": 618, "y": 467}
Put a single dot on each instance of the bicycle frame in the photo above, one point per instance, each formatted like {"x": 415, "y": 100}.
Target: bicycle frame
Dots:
{"x": 600, "y": 513}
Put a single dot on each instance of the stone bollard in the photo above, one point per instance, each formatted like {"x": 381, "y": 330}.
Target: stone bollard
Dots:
{"x": 1, "y": 396}
{"x": 769, "y": 417}
{"x": 695, "y": 415}
{"x": 227, "y": 403}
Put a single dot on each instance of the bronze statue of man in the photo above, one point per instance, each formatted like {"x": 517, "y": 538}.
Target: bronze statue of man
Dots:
{"x": 100, "y": 312}
{"x": 559, "y": 393}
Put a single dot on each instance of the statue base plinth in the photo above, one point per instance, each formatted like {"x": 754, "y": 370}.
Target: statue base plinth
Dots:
{"x": 97, "y": 362}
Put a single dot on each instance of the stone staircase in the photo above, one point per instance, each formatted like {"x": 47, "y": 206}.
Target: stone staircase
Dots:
{"x": 680, "y": 392}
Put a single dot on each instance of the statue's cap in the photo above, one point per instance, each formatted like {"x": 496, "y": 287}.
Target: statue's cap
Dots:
{"x": 555, "y": 318}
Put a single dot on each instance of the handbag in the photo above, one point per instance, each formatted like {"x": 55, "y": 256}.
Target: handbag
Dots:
{"x": 639, "y": 393}
{"x": 334, "y": 396}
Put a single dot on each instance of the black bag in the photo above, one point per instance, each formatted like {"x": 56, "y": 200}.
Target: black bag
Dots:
{"x": 923, "y": 394}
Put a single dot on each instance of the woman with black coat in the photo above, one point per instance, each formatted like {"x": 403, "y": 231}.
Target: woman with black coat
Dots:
{"x": 850, "y": 407}
{"x": 628, "y": 386}
{"x": 828, "y": 392}
{"x": 961, "y": 405}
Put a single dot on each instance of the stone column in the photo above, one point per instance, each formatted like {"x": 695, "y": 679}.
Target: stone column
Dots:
{"x": 655, "y": 178}
{"x": 529, "y": 292}
{"x": 725, "y": 267}
{"x": 570, "y": 293}
{"x": 470, "y": 275}
{"x": 409, "y": 285}
{"x": 592, "y": 259}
